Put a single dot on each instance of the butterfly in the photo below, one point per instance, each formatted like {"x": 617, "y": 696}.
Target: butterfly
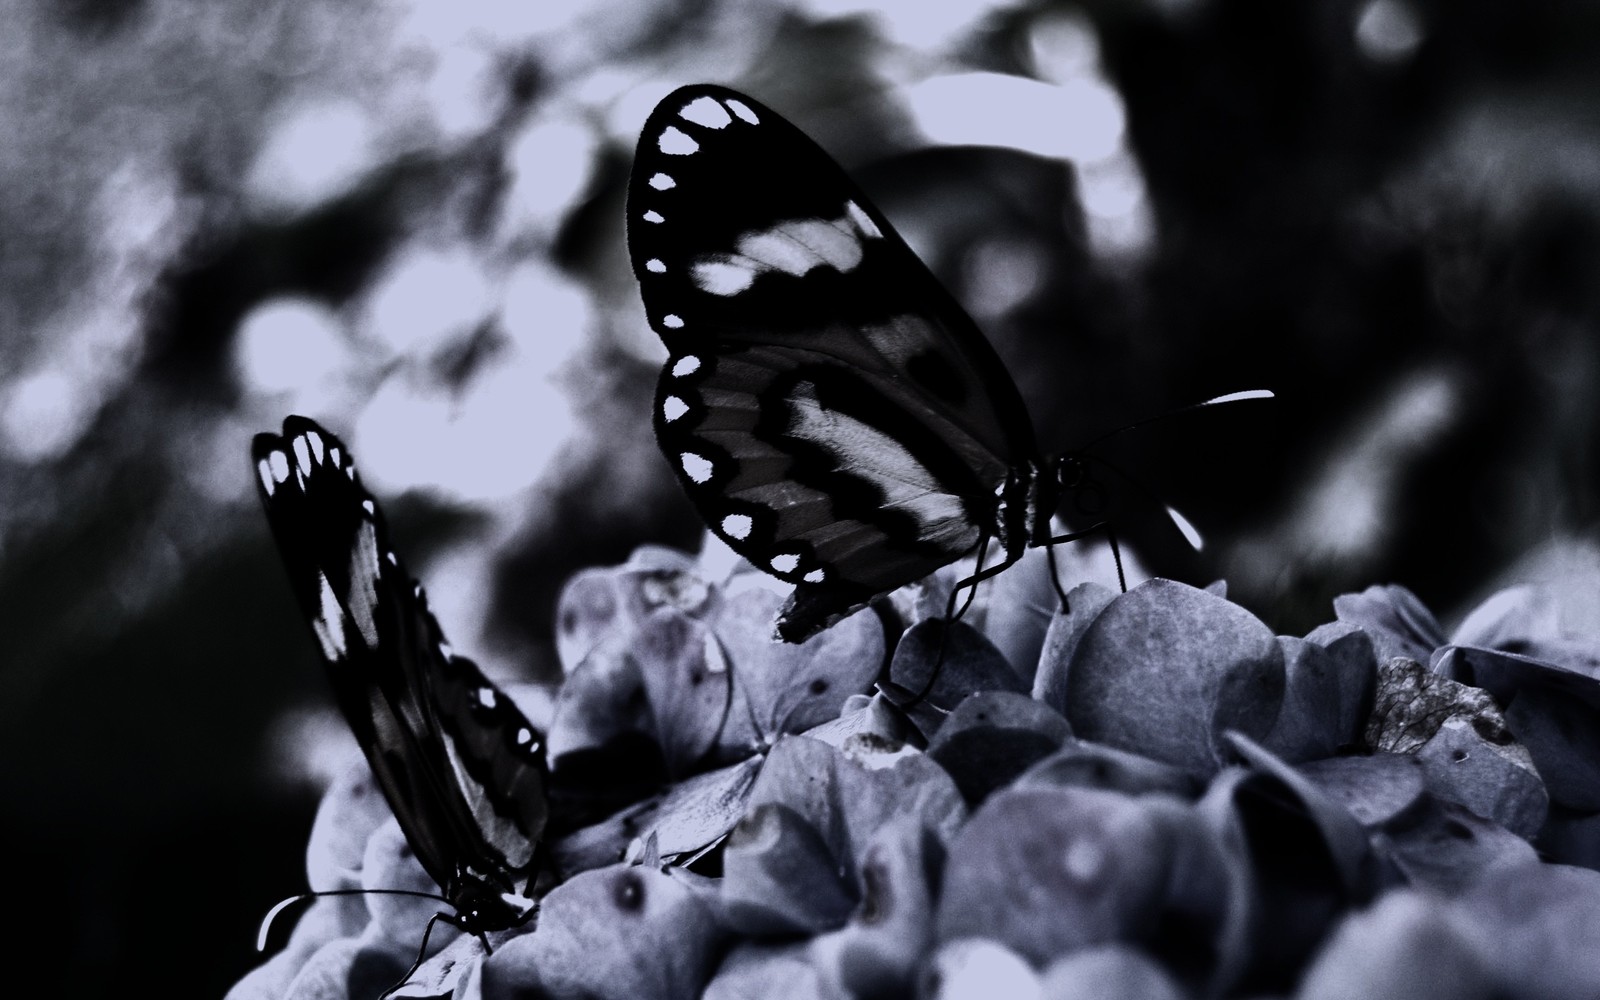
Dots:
{"x": 832, "y": 412}
{"x": 462, "y": 768}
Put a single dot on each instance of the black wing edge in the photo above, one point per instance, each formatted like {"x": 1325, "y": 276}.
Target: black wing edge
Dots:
{"x": 421, "y": 713}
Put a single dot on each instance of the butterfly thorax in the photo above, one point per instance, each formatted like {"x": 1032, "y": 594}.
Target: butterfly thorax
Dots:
{"x": 1026, "y": 500}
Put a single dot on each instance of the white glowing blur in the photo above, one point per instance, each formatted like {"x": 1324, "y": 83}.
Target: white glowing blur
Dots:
{"x": 547, "y": 315}
{"x": 426, "y": 297}
{"x": 1348, "y": 511}
{"x": 459, "y": 88}
{"x": 493, "y": 438}
{"x": 43, "y": 413}
{"x": 286, "y": 343}
{"x": 915, "y": 24}
{"x": 977, "y": 969}
{"x": 1388, "y": 30}
{"x": 313, "y": 152}
{"x": 550, "y": 165}
{"x": 1081, "y": 120}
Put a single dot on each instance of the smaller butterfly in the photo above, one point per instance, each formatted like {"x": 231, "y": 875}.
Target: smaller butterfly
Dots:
{"x": 832, "y": 412}
{"x": 462, "y": 768}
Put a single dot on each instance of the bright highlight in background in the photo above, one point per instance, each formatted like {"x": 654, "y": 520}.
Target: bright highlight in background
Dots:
{"x": 426, "y": 298}
{"x": 1082, "y": 119}
{"x": 314, "y": 153}
{"x": 285, "y": 344}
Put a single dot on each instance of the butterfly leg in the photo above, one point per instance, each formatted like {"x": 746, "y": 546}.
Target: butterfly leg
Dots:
{"x": 971, "y": 583}
{"x": 1073, "y": 536}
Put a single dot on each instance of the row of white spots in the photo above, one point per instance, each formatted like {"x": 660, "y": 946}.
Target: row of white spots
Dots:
{"x": 710, "y": 113}
{"x": 793, "y": 247}
{"x": 273, "y": 469}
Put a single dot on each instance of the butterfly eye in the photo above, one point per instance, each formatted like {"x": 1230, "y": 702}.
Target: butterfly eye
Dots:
{"x": 1071, "y": 472}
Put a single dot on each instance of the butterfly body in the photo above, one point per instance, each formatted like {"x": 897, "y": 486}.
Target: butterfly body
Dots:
{"x": 832, "y": 412}
{"x": 461, "y": 767}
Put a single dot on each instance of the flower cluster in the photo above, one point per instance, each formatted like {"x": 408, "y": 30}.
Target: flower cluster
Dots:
{"x": 1147, "y": 796}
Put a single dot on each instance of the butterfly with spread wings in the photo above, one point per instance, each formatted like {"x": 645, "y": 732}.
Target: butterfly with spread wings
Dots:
{"x": 832, "y": 412}
{"x": 462, "y": 768}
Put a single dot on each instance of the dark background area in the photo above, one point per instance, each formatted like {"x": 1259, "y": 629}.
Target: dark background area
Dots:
{"x": 405, "y": 221}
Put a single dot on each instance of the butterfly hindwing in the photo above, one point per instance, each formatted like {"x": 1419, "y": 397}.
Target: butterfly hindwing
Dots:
{"x": 833, "y": 413}
{"x": 461, "y": 767}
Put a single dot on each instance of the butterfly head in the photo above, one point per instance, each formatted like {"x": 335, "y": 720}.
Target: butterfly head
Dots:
{"x": 482, "y": 904}
{"x": 1074, "y": 481}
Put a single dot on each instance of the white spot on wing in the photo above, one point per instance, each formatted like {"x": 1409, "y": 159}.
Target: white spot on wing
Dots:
{"x": 706, "y": 111}
{"x": 675, "y": 142}
{"x": 672, "y": 408}
{"x": 743, "y": 111}
{"x": 672, "y": 321}
{"x": 264, "y": 470}
{"x": 280, "y": 466}
{"x": 697, "y": 467}
{"x": 302, "y": 456}
{"x": 336, "y": 455}
{"x": 486, "y": 697}
{"x": 316, "y": 444}
{"x": 737, "y": 526}
{"x": 662, "y": 182}
{"x": 815, "y": 576}
{"x": 686, "y": 365}
{"x": 786, "y": 562}
{"x": 794, "y": 247}
{"x": 655, "y": 266}
{"x": 653, "y": 216}
{"x": 369, "y": 507}
{"x": 723, "y": 277}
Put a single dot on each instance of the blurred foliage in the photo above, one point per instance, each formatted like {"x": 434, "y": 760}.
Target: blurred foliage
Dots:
{"x": 1387, "y": 211}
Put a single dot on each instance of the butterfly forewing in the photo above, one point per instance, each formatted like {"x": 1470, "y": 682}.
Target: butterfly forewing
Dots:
{"x": 833, "y": 413}
{"x": 461, "y": 767}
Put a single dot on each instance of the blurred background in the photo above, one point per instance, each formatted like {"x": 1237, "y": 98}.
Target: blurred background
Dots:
{"x": 404, "y": 218}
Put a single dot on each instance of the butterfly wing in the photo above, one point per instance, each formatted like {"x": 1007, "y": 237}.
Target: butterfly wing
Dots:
{"x": 462, "y": 768}
{"x": 832, "y": 412}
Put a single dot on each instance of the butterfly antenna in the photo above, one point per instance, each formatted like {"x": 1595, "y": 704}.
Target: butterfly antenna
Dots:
{"x": 422, "y": 953}
{"x": 1184, "y": 526}
{"x": 1231, "y": 397}
{"x": 272, "y": 914}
